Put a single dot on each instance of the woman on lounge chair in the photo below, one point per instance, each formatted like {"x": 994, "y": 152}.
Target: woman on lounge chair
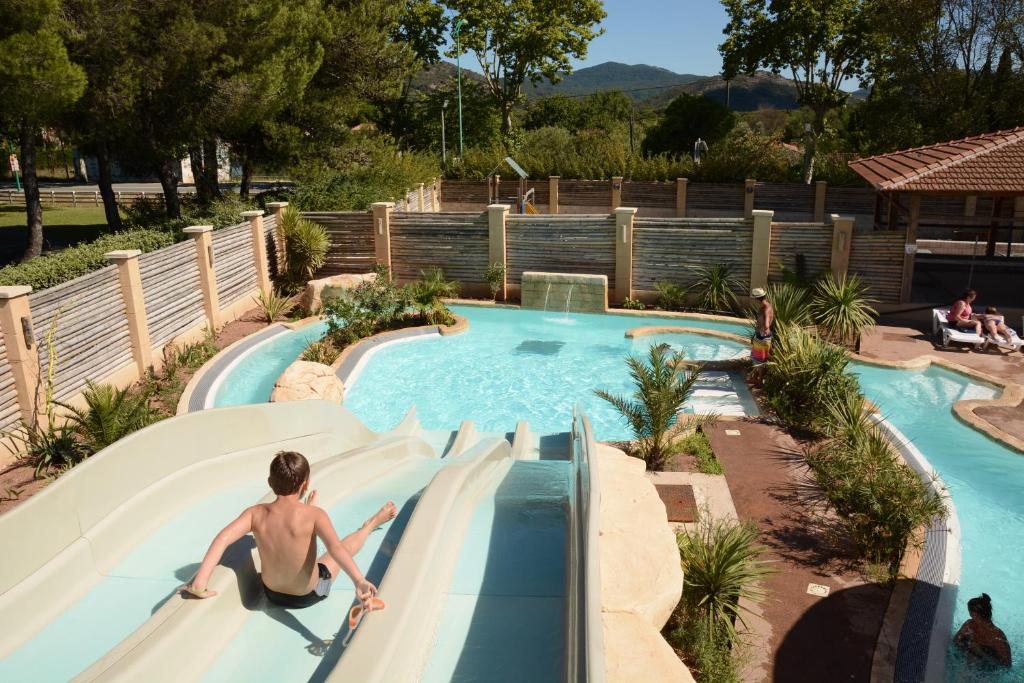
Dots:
{"x": 994, "y": 324}
{"x": 961, "y": 316}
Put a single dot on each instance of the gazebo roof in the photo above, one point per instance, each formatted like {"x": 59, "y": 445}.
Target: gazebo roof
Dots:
{"x": 992, "y": 163}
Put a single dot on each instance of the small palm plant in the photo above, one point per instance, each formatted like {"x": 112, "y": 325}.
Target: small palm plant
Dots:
{"x": 671, "y": 297}
{"x": 721, "y": 565}
{"x": 714, "y": 287}
{"x": 791, "y": 303}
{"x": 495, "y": 276}
{"x": 306, "y": 247}
{"x": 427, "y": 294}
{"x": 109, "y": 414}
{"x": 274, "y": 304}
{"x": 841, "y": 309}
{"x": 320, "y": 351}
{"x": 662, "y": 389}
{"x": 53, "y": 447}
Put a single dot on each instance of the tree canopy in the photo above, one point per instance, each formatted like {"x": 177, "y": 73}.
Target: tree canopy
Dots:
{"x": 687, "y": 118}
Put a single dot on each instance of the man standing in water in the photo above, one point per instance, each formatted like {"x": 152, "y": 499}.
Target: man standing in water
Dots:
{"x": 761, "y": 342}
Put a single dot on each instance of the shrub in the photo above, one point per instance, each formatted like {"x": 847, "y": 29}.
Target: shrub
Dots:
{"x": 790, "y": 303}
{"x": 320, "y": 351}
{"x": 366, "y": 309}
{"x": 803, "y": 376}
{"x": 841, "y": 309}
{"x": 194, "y": 355}
{"x": 699, "y": 447}
{"x": 714, "y": 288}
{"x": 109, "y": 414}
{"x": 495, "y": 276}
{"x": 67, "y": 264}
{"x": 220, "y": 213}
{"x": 274, "y": 304}
{"x": 50, "y": 447}
{"x": 633, "y": 304}
{"x": 671, "y": 297}
{"x": 426, "y": 295}
{"x": 662, "y": 389}
{"x": 306, "y": 245}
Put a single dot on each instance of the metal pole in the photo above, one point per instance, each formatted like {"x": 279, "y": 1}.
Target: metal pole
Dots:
{"x": 458, "y": 71}
{"x": 444, "y": 152}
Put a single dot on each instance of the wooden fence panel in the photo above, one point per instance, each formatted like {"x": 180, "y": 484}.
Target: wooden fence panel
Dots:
{"x": 850, "y": 200}
{"x": 352, "y": 248}
{"x": 789, "y": 201}
{"x": 173, "y": 294}
{"x": 10, "y": 409}
{"x": 801, "y": 248}
{"x": 87, "y": 327}
{"x": 655, "y": 195}
{"x": 464, "y": 192}
{"x": 455, "y": 242}
{"x": 670, "y": 249}
{"x": 714, "y": 198}
{"x": 591, "y": 193}
{"x": 233, "y": 263}
{"x": 877, "y": 258}
{"x": 562, "y": 244}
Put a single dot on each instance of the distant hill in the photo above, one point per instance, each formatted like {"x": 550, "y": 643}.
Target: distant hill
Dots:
{"x": 649, "y": 86}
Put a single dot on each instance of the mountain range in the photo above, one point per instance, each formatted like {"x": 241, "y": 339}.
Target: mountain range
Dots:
{"x": 648, "y": 86}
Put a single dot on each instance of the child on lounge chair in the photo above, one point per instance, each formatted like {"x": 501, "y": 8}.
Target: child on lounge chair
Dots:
{"x": 286, "y": 531}
{"x": 992, "y": 320}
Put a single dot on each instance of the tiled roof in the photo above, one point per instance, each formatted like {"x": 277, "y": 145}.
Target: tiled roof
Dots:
{"x": 990, "y": 163}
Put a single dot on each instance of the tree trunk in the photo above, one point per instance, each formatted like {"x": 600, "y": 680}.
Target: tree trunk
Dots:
{"x": 195, "y": 159}
{"x": 210, "y": 168}
{"x": 33, "y": 207}
{"x": 106, "y": 184}
{"x": 811, "y": 145}
{"x": 169, "y": 184}
{"x": 506, "y": 119}
{"x": 243, "y": 188}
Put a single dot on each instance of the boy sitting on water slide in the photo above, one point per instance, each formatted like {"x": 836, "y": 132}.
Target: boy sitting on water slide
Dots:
{"x": 286, "y": 531}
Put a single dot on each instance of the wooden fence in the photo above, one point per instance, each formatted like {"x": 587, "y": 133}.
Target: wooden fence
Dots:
{"x": 671, "y": 249}
{"x": 351, "y": 234}
{"x": 564, "y": 244}
{"x": 804, "y": 249}
{"x": 455, "y": 242}
{"x": 71, "y": 198}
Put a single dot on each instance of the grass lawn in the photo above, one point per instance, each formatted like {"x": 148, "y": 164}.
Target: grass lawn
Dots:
{"x": 62, "y": 227}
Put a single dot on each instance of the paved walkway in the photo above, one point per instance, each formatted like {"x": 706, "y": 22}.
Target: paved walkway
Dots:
{"x": 811, "y": 638}
{"x": 906, "y": 343}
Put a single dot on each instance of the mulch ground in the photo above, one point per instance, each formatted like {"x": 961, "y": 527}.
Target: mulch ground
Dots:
{"x": 812, "y": 638}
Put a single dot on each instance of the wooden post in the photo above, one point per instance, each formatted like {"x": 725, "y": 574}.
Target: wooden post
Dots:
{"x": 277, "y": 208}
{"x": 497, "y": 214}
{"x": 616, "y": 192}
{"x": 842, "y": 241}
{"x": 623, "y": 253}
{"x": 748, "y": 200}
{"x": 762, "y": 247}
{"x": 22, "y": 355}
{"x": 382, "y": 232}
{"x": 970, "y": 205}
{"x": 910, "y": 248}
{"x": 200, "y": 234}
{"x": 422, "y": 197}
{"x": 130, "y": 278}
{"x": 259, "y": 249}
{"x": 553, "y": 194}
{"x": 681, "y": 185}
{"x": 820, "y": 193}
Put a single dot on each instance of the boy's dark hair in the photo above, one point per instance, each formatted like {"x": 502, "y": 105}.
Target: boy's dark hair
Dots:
{"x": 288, "y": 472}
{"x": 992, "y": 310}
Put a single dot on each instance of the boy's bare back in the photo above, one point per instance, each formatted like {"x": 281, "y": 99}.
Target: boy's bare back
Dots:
{"x": 285, "y": 533}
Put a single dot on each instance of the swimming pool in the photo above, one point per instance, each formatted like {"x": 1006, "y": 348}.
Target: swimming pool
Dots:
{"x": 986, "y": 482}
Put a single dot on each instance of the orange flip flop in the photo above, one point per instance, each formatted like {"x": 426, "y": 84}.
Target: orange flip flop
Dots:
{"x": 356, "y": 614}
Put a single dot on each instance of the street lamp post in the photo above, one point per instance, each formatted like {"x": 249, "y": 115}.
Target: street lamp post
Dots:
{"x": 444, "y": 152}
{"x": 456, "y": 30}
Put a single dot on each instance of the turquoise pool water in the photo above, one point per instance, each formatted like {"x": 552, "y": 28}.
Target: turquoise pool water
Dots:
{"x": 986, "y": 482}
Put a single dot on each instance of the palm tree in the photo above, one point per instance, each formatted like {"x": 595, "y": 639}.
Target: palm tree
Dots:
{"x": 662, "y": 389}
{"x": 841, "y": 309}
{"x": 714, "y": 288}
{"x": 427, "y": 294}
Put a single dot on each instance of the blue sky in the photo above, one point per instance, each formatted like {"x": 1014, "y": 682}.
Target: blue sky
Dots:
{"x": 680, "y": 35}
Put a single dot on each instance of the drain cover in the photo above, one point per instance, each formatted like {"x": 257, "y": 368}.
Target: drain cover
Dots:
{"x": 536, "y": 347}
{"x": 817, "y": 589}
{"x": 732, "y": 432}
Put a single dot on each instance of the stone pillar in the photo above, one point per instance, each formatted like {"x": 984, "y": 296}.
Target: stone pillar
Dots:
{"x": 820, "y": 191}
{"x": 130, "y": 278}
{"x": 762, "y": 247}
{"x": 277, "y": 208}
{"x": 22, "y": 355}
{"x": 423, "y": 198}
{"x": 259, "y": 249}
{"x": 842, "y": 242}
{"x": 497, "y": 189}
{"x": 616, "y": 192}
{"x": 623, "y": 254}
{"x": 681, "y": 184}
{"x": 382, "y": 232}
{"x": 748, "y": 199}
{"x": 553, "y": 194}
{"x": 497, "y": 214}
{"x": 910, "y": 248}
{"x": 207, "y": 276}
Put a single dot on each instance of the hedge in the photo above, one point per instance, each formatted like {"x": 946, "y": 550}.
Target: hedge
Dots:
{"x": 67, "y": 264}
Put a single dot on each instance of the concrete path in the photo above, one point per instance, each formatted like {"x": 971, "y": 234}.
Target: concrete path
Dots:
{"x": 811, "y": 638}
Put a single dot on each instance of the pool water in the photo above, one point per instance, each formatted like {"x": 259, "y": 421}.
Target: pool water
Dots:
{"x": 986, "y": 482}
{"x": 513, "y": 364}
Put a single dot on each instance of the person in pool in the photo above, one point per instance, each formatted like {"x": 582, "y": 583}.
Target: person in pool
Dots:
{"x": 286, "y": 531}
{"x": 980, "y": 638}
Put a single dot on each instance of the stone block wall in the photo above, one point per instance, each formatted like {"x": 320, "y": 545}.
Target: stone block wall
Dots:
{"x": 563, "y": 291}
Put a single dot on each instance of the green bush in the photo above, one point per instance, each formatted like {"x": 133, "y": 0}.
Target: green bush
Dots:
{"x": 220, "y": 213}
{"x": 306, "y": 246}
{"x": 320, "y": 351}
{"x": 426, "y": 296}
{"x": 67, "y": 264}
{"x": 790, "y": 303}
{"x": 365, "y": 310}
{"x": 662, "y": 388}
{"x": 274, "y": 304}
{"x": 495, "y": 276}
{"x": 841, "y": 309}
{"x": 714, "y": 288}
{"x": 671, "y": 297}
{"x": 633, "y": 304}
{"x": 109, "y": 414}
{"x": 54, "y": 447}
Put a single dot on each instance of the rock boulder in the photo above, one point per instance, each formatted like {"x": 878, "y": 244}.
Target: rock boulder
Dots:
{"x": 327, "y": 287}
{"x": 303, "y": 381}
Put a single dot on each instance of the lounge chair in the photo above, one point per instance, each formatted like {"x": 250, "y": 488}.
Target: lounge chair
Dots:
{"x": 1012, "y": 344}
{"x": 947, "y": 334}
